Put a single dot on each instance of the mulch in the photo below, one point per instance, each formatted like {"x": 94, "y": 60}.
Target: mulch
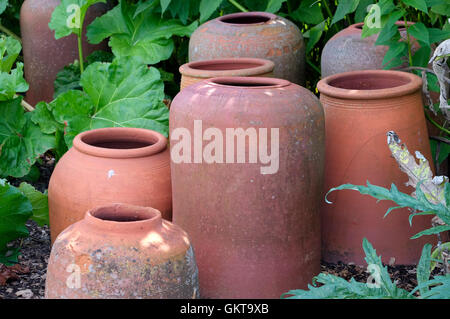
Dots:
{"x": 27, "y": 279}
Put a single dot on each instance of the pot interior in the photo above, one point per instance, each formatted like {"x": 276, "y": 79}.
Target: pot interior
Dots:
{"x": 224, "y": 66}
{"x": 122, "y": 214}
{"x": 244, "y": 18}
{"x": 246, "y": 82}
{"x": 371, "y": 81}
{"x": 115, "y": 143}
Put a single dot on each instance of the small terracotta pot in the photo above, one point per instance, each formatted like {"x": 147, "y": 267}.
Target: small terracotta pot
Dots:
{"x": 256, "y": 233}
{"x": 127, "y": 165}
{"x": 252, "y": 35}
{"x": 122, "y": 251}
{"x": 43, "y": 55}
{"x": 194, "y": 72}
{"x": 347, "y": 51}
{"x": 360, "y": 108}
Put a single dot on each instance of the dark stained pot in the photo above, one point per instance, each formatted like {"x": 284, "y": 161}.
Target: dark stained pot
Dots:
{"x": 255, "y": 235}
{"x": 122, "y": 251}
{"x": 252, "y": 35}
{"x": 43, "y": 55}
{"x": 347, "y": 51}
{"x": 360, "y": 108}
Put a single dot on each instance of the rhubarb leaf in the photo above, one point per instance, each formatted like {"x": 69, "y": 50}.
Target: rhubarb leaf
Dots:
{"x": 39, "y": 202}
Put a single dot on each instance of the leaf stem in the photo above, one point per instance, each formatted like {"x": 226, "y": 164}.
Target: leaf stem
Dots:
{"x": 10, "y": 33}
{"x": 408, "y": 38}
{"x": 330, "y": 14}
{"x": 436, "y": 124}
{"x": 314, "y": 67}
{"x": 25, "y": 105}
{"x": 237, "y": 5}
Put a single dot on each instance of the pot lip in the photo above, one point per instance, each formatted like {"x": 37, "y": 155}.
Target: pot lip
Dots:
{"x": 358, "y": 26}
{"x": 269, "y": 15}
{"x": 266, "y": 82}
{"x": 414, "y": 83}
{"x": 262, "y": 67}
{"x": 147, "y": 218}
{"x": 157, "y": 141}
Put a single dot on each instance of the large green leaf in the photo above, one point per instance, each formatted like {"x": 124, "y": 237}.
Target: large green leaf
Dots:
{"x": 15, "y": 209}
{"x": 21, "y": 141}
{"x": 9, "y": 51}
{"x": 68, "y": 16}
{"x": 11, "y": 83}
{"x": 274, "y": 6}
{"x": 39, "y": 202}
{"x": 344, "y": 7}
{"x": 207, "y": 8}
{"x": 314, "y": 35}
{"x": 440, "y": 288}
{"x": 417, "y": 4}
{"x": 122, "y": 93}
{"x": 309, "y": 11}
{"x": 146, "y": 37}
{"x": 3, "y": 5}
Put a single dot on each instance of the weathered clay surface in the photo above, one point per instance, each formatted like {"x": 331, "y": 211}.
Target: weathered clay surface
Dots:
{"x": 255, "y": 235}
{"x": 127, "y": 165}
{"x": 252, "y": 35}
{"x": 44, "y": 56}
{"x": 360, "y": 108}
{"x": 347, "y": 51}
{"x": 122, "y": 251}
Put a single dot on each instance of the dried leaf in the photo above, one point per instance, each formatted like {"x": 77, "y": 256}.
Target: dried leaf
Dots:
{"x": 441, "y": 69}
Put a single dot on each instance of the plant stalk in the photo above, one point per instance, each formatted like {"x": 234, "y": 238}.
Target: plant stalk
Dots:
{"x": 10, "y": 33}
{"x": 408, "y": 38}
{"x": 436, "y": 124}
{"x": 237, "y": 5}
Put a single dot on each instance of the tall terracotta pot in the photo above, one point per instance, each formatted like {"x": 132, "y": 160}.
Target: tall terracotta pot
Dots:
{"x": 194, "y": 72}
{"x": 360, "y": 108}
{"x": 256, "y": 233}
{"x": 122, "y": 251}
{"x": 347, "y": 51}
{"x": 127, "y": 165}
{"x": 252, "y": 35}
{"x": 44, "y": 56}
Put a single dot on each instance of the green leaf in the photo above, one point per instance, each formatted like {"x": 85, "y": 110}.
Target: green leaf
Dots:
{"x": 440, "y": 288}
{"x": 419, "y": 31}
{"x": 361, "y": 11}
{"x": 393, "y": 56}
{"x": 164, "y": 5}
{"x": 38, "y": 201}
{"x": 207, "y": 8}
{"x": 273, "y": 6}
{"x": 9, "y": 51}
{"x": 122, "y": 93}
{"x": 432, "y": 231}
{"x": 344, "y": 7}
{"x": 21, "y": 141}
{"x": 43, "y": 117}
{"x": 147, "y": 37}
{"x": 438, "y": 35}
{"x": 417, "y": 4}
{"x": 15, "y": 210}
{"x": 314, "y": 35}
{"x": 421, "y": 56}
{"x": 424, "y": 268}
{"x": 308, "y": 12}
{"x": 68, "y": 16}
{"x": 11, "y": 83}
{"x": 442, "y": 9}
{"x": 3, "y": 4}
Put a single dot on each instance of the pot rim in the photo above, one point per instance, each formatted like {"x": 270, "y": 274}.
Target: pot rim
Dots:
{"x": 157, "y": 142}
{"x": 413, "y": 84}
{"x": 146, "y": 218}
{"x": 262, "y": 66}
{"x": 399, "y": 23}
{"x": 268, "y": 15}
{"x": 266, "y": 82}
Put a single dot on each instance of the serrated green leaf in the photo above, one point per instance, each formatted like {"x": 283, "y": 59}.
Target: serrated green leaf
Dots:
{"x": 21, "y": 141}
{"x": 15, "y": 210}
{"x": 68, "y": 16}
{"x": 424, "y": 268}
{"x": 12, "y": 83}
{"x": 417, "y": 4}
{"x": 207, "y": 8}
{"x": 43, "y": 117}
{"x": 146, "y": 37}
{"x": 122, "y": 93}
{"x": 39, "y": 202}
{"x": 432, "y": 231}
{"x": 344, "y": 7}
{"x": 440, "y": 288}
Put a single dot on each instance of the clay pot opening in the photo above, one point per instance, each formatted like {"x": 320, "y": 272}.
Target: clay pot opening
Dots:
{"x": 120, "y": 142}
{"x": 249, "y": 82}
{"x": 123, "y": 217}
{"x": 227, "y": 67}
{"x": 400, "y": 24}
{"x": 369, "y": 84}
{"x": 247, "y": 18}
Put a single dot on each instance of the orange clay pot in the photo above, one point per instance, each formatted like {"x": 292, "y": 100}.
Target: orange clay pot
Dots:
{"x": 360, "y": 108}
{"x": 127, "y": 165}
{"x": 252, "y": 35}
{"x": 256, "y": 234}
{"x": 122, "y": 251}
{"x": 194, "y": 72}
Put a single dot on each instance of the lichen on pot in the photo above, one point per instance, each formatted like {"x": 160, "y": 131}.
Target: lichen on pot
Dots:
{"x": 122, "y": 251}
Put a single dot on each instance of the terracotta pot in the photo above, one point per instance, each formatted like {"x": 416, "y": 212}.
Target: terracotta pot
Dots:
{"x": 346, "y": 51}
{"x": 44, "y": 56}
{"x": 360, "y": 108}
{"x": 252, "y": 35}
{"x": 122, "y": 251}
{"x": 194, "y": 72}
{"x": 256, "y": 233}
{"x": 127, "y": 165}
